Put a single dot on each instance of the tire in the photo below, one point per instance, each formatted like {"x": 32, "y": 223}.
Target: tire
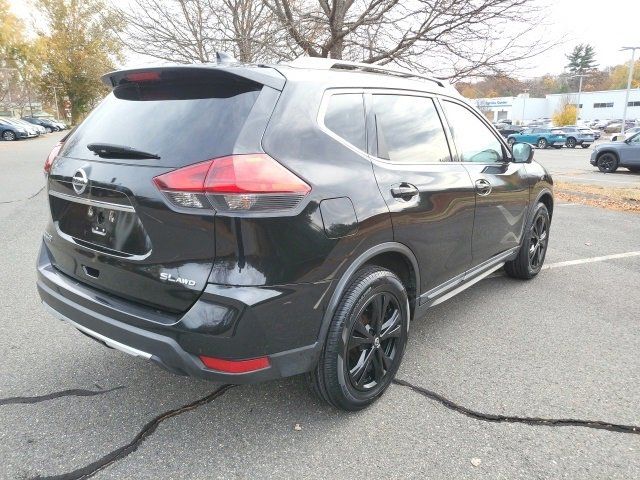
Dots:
{"x": 542, "y": 143}
{"x": 571, "y": 142}
{"x": 48, "y": 129}
{"x": 511, "y": 141}
{"x": 557, "y": 147}
{"x": 585, "y": 145}
{"x": 8, "y": 136}
{"x": 533, "y": 250}
{"x": 352, "y": 376}
{"x": 607, "y": 162}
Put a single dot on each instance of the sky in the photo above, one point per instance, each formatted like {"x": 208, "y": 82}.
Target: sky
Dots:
{"x": 607, "y": 26}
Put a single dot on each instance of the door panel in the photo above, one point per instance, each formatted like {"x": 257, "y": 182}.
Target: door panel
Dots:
{"x": 431, "y": 199}
{"x": 500, "y": 212}
{"x": 501, "y": 187}
{"x": 630, "y": 152}
{"x": 437, "y": 223}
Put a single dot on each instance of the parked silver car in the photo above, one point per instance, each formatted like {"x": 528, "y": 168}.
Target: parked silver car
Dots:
{"x": 611, "y": 155}
{"x": 577, "y": 136}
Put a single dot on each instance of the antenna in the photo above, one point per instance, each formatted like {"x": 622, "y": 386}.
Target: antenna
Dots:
{"x": 224, "y": 57}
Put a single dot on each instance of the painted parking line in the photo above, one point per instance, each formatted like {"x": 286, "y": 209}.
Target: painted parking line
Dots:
{"x": 570, "y": 263}
{"x": 581, "y": 261}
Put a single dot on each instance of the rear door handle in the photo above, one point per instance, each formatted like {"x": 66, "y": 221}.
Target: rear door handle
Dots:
{"x": 483, "y": 187}
{"x": 404, "y": 191}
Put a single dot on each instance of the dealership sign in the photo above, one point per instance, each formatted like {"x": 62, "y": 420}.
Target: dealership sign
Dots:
{"x": 494, "y": 103}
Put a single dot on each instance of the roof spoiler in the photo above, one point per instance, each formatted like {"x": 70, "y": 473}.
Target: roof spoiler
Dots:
{"x": 226, "y": 65}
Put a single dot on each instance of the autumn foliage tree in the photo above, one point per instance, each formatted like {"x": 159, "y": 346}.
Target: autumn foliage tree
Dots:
{"x": 567, "y": 112}
{"x": 78, "y": 45}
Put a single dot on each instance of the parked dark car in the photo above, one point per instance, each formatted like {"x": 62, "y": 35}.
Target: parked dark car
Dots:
{"x": 507, "y": 130}
{"x": 49, "y": 125}
{"x": 611, "y": 155}
{"x": 10, "y": 131}
{"x": 309, "y": 213}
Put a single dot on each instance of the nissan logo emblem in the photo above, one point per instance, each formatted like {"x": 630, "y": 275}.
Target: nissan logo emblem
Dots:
{"x": 80, "y": 181}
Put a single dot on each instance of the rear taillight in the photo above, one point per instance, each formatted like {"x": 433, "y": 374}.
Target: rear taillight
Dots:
{"x": 251, "y": 182}
{"x": 52, "y": 156}
{"x": 143, "y": 76}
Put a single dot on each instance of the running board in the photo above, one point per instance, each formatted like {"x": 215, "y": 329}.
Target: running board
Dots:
{"x": 465, "y": 285}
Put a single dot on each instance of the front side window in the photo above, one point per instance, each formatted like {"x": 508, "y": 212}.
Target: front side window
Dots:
{"x": 474, "y": 140}
{"x": 409, "y": 130}
{"x": 345, "y": 118}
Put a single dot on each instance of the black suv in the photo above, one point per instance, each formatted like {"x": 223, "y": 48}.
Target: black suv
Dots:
{"x": 247, "y": 222}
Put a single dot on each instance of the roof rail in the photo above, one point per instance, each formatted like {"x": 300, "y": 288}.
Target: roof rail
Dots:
{"x": 333, "y": 64}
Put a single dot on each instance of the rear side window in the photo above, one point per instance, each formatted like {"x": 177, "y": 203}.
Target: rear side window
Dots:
{"x": 345, "y": 118}
{"x": 409, "y": 130}
{"x": 184, "y": 120}
{"x": 474, "y": 140}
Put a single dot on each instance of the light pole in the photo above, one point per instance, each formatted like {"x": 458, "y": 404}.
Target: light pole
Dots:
{"x": 626, "y": 100}
{"x": 581, "y": 76}
{"x": 524, "y": 103}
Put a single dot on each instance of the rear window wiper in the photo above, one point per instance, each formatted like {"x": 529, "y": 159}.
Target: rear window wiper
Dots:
{"x": 109, "y": 150}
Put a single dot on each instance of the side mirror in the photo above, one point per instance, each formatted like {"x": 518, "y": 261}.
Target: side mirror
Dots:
{"x": 522, "y": 152}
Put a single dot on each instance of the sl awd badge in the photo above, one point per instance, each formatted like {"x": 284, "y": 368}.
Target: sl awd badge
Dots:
{"x": 167, "y": 277}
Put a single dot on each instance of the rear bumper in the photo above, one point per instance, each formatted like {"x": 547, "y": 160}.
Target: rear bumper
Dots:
{"x": 175, "y": 343}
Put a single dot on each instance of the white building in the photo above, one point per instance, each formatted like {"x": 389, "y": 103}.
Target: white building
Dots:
{"x": 602, "y": 105}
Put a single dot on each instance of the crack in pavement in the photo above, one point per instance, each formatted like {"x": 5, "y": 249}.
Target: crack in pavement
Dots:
{"x": 73, "y": 392}
{"x": 23, "y": 199}
{"x": 124, "y": 451}
{"x": 533, "y": 421}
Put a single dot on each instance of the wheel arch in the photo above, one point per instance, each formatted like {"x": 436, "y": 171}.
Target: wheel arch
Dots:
{"x": 608, "y": 150}
{"x": 546, "y": 198}
{"x": 394, "y": 256}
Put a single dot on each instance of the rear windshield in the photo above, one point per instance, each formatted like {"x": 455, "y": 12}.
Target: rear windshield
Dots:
{"x": 184, "y": 120}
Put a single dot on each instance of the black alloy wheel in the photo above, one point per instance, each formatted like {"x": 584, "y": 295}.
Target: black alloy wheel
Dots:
{"x": 365, "y": 342}
{"x": 607, "y": 163}
{"x": 539, "y": 235}
{"x": 542, "y": 143}
{"x": 571, "y": 142}
{"x": 373, "y": 342}
{"x": 533, "y": 249}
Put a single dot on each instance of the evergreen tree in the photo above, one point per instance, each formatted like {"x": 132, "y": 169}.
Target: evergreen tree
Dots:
{"x": 582, "y": 59}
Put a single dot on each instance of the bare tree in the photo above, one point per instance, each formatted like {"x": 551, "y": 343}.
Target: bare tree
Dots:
{"x": 193, "y": 30}
{"x": 450, "y": 38}
{"x": 453, "y": 38}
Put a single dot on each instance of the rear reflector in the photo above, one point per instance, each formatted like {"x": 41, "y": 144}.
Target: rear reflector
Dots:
{"x": 251, "y": 182}
{"x": 235, "y": 366}
{"x": 52, "y": 156}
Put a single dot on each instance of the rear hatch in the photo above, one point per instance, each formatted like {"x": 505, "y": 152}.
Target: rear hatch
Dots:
{"x": 111, "y": 226}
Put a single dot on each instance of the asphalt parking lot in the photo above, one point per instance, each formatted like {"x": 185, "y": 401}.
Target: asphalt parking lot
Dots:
{"x": 572, "y": 165}
{"x": 508, "y": 380}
